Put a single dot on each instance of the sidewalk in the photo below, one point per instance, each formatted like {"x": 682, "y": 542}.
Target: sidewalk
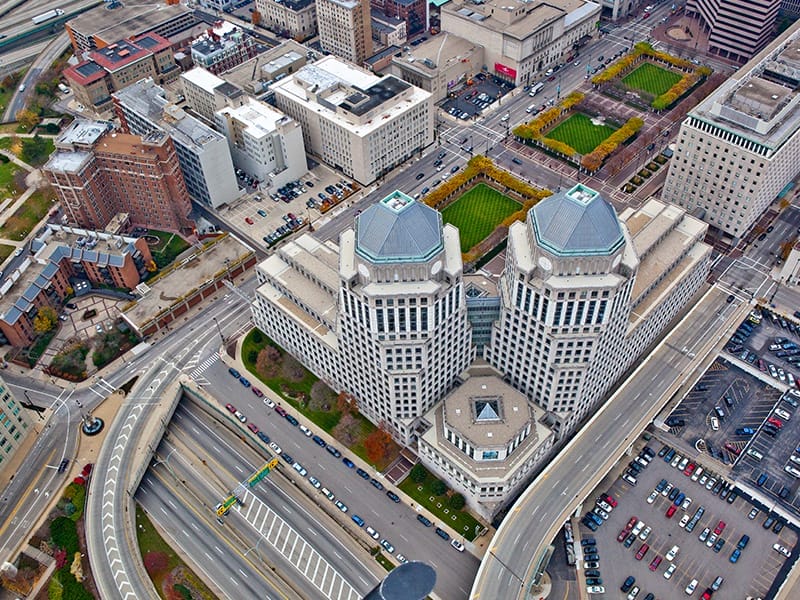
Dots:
{"x": 478, "y": 548}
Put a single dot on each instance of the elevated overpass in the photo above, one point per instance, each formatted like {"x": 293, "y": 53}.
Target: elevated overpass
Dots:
{"x": 520, "y": 550}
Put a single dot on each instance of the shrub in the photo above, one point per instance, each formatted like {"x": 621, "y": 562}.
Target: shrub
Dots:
{"x": 64, "y": 534}
{"x": 155, "y": 563}
{"x": 637, "y": 180}
{"x": 418, "y": 473}
{"x": 644, "y": 173}
{"x": 257, "y": 336}
{"x": 629, "y": 188}
{"x": 438, "y": 487}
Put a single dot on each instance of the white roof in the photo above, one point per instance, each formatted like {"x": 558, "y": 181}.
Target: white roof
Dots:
{"x": 203, "y": 79}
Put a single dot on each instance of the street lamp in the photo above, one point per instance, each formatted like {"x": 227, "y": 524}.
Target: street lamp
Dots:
{"x": 219, "y": 330}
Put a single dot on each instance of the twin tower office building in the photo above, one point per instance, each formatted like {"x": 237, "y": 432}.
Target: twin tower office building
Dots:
{"x": 482, "y": 374}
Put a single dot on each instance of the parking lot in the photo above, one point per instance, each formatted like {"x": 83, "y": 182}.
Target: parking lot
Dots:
{"x": 752, "y": 575}
{"x": 466, "y": 100}
{"x": 261, "y": 212}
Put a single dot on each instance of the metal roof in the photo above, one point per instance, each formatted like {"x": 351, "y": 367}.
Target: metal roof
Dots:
{"x": 578, "y": 222}
{"x": 399, "y": 229}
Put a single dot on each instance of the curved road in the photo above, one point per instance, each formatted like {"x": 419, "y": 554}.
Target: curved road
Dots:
{"x": 530, "y": 526}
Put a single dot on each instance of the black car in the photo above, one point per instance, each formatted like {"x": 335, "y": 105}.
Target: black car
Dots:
{"x": 425, "y": 521}
{"x": 292, "y": 420}
{"x": 333, "y": 451}
{"x": 675, "y": 422}
{"x": 263, "y": 437}
{"x": 392, "y": 496}
{"x": 663, "y": 451}
{"x": 419, "y": 176}
{"x": 778, "y": 526}
{"x": 63, "y": 466}
{"x": 442, "y": 533}
{"x": 287, "y": 458}
{"x": 362, "y": 473}
{"x": 318, "y": 440}
{"x": 376, "y": 484}
{"x": 628, "y": 583}
{"x": 71, "y": 305}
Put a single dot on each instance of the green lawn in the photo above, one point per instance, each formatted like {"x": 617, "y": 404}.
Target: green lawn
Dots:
{"x": 458, "y": 520}
{"x": 7, "y": 172}
{"x": 652, "y": 79}
{"x": 20, "y": 224}
{"x": 168, "y": 248}
{"x": 477, "y": 213}
{"x": 579, "y": 132}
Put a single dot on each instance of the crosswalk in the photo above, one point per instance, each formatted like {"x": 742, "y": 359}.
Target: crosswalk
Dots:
{"x": 196, "y": 370}
{"x": 276, "y": 532}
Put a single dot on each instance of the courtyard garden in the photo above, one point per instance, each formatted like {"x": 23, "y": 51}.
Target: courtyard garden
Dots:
{"x": 478, "y": 212}
{"x": 168, "y": 247}
{"x": 581, "y": 132}
{"x": 651, "y": 78}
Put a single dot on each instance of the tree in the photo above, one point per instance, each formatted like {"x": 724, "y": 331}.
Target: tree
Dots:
{"x": 457, "y": 502}
{"x": 255, "y": 17}
{"x": 27, "y": 118}
{"x": 438, "y": 487}
{"x": 64, "y": 534}
{"x": 45, "y": 320}
{"x": 377, "y": 444}
{"x": 418, "y": 473}
{"x": 345, "y": 403}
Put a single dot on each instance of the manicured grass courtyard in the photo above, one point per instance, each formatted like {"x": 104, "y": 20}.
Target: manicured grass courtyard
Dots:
{"x": 579, "y": 132}
{"x": 477, "y": 213}
{"x": 651, "y": 78}
{"x": 22, "y": 222}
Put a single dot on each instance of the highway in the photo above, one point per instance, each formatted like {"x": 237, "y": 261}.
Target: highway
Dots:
{"x": 535, "y": 518}
{"x": 395, "y": 522}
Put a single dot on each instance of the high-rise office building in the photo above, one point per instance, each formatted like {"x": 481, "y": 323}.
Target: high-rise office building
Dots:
{"x": 738, "y": 148}
{"x": 382, "y": 316}
{"x": 355, "y": 121}
{"x": 203, "y": 153}
{"x": 345, "y": 29}
{"x": 98, "y": 173}
{"x": 737, "y": 29}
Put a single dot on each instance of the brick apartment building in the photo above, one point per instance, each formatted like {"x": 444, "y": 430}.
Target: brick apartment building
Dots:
{"x": 224, "y": 46}
{"x": 98, "y": 173}
{"x": 410, "y": 11}
{"x": 57, "y": 256}
{"x": 117, "y": 65}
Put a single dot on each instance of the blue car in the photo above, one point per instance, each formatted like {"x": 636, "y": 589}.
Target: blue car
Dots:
{"x": 348, "y": 463}
{"x": 292, "y": 420}
{"x": 358, "y": 520}
{"x": 243, "y": 380}
{"x": 234, "y": 372}
{"x": 735, "y": 555}
{"x": 318, "y": 440}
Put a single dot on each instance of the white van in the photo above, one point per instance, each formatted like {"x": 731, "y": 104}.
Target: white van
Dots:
{"x": 753, "y": 453}
{"x": 715, "y": 423}
{"x": 530, "y": 109}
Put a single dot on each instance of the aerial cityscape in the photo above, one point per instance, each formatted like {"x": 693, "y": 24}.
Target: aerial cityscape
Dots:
{"x": 492, "y": 263}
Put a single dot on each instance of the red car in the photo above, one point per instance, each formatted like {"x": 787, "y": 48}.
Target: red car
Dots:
{"x": 623, "y": 534}
{"x": 777, "y": 422}
{"x": 642, "y": 551}
{"x": 720, "y": 527}
{"x": 257, "y": 392}
{"x": 654, "y": 563}
{"x": 252, "y": 428}
{"x": 671, "y": 511}
{"x": 610, "y": 499}
{"x": 690, "y": 469}
{"x": 248, "y": 220}
{"x": 280, "y": 411}
{"x": 731, "y": 448}
{"x": 631, "y": 523}
{"x": 231, "y": 408}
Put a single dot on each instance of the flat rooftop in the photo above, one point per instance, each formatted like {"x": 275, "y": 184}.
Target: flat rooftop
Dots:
{"x": 259, "y": 68}
{"x": 513, "y": 17}
{"x": 438, "y": 52}
{"x": 259, "y": 119}
{"x": 82, "y": 132}
{"x": 200, "y": 268}
{"x": 126, "y": 21}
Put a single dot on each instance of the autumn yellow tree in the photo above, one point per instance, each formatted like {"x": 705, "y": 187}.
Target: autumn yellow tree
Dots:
{"x": 45, "y": 320}
{"x": 27, "y": 118}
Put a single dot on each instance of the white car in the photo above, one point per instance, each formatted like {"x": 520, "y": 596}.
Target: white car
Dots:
{"x": 673, "y": 552}
{"x": 457, "y": 545}
{"x": 697, "y": 472}
{"x": 637, "y": 529}
{"x": 652, "y": 497}
{"x": 691, "y": 587}
{"x": 633, "y": 593}
{"x": 18, "y": 251}
{"x": 341, "y": 506}
{"x": 667, "y": 489}
{"x": 601, "y": 513}
{"x": 604, "y": 505}
{"x": 645, "y": 532}
{"x": 275, "y": 447}
{"x": 595, "y": 589}
{"x": 269, "y": 402}
{"x": 684, "y": 521}
{"x": 315, "y": 482}
{"x": 686, "y": 502}
{"x": 372, "y": 533}
{"x": 684, "y": 462}
{"x": 676, "y": 461}
{"x": 300, "y": 469}
{"x": 782, "y": 549}
{"x": 306, "y": 431}
{"x": 240, "y": 416}
{"x": 670, "y": 570}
